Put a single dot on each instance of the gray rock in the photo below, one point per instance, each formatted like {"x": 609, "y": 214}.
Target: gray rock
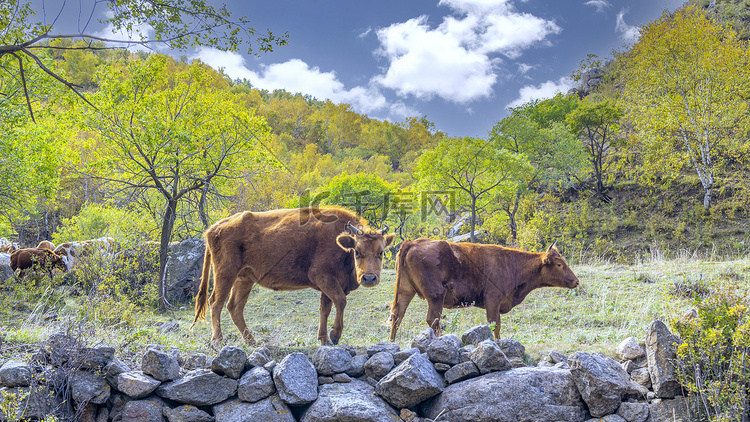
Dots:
{"x": 354, "y": 401}
{"x": 160, "y": 365}
{"x": 379, "y": 365}
{"x": 402, "y": 355}
{"x": 512, "y": 348}
{"x": 557, "y": 357}
{"x": 342, "y": 378}
{"x": 113, "y": 369}
{"x": 641, "y": 376}
{"x": 88, "y": 387}
{"x": 60, "y": 348}
{"x": 460, "y": 372}
{"x": 15, "y": 373}
{"x": 477, "y": 334}
{"x": 601, "y": 381}
{"x": 95, "y": 358}
{"x": 196, "y": 361}
{"x": 382, "y": 347}
{"x": 187, "y": 413}
{"x": 259, "y": 357}
{"x": 270, "y": 366}
{"x": 516, "y": 362}
{"x": 136, "y": 384}
{"x": 633, "y": 412}
{"x": 357, "y": 366}
{"x": 201, "y": 387}
{"x": 413, "y": 381}
{"x": 331, "y": 360}
{"x": 441, "y": 367}
{"x": 272, "y": 409}
{"x": 103, "y": 414}
{"x": 665, "y": 410}
{"x": 629, "y": 366}
{"x": 35, "y": 403}
{"x": 661, "y": 348}
{"x": 146, "y": 410}
{"x": 489, "y": 357}
{"x": 230, "y": 362}
{"x": 464, "y": 353}
{"x": 255, "y": 385}
{"x": 296, "y": 379}
{"x": 608, "y": 418}
{"x": 444, "y": 349}
{"x": 184, "y": 269}
{"x": 523, "y": 394}
{"x": 629, "y": 349}
{"x": 423, "y": 339}
{"x": 323, "y": 379}
{"x": 118, "y": 402}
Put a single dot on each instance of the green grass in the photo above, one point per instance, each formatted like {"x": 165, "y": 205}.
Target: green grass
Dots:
{"x": 612, "y": 303}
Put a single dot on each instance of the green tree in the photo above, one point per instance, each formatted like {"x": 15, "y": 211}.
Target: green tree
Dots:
{"x": 687, "y": 84}
{"x": 475, "y": 168}
{"x": 367, "y": 194}
{"x": 162, "y": 132}
{"x": 597, "y": 126}
{"x": 178, "y": 24}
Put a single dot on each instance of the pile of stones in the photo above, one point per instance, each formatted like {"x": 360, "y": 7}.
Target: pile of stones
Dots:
{"x": 447, "y": 378}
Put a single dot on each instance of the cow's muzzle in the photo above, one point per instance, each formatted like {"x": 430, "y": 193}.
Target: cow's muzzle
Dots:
{"x": 369, "y": 280}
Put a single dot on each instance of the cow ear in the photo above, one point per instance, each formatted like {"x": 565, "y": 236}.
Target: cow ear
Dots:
{"x": 546, "y": 258}
{"x": 346, "y": 242}
{"x": 389, "y": 239}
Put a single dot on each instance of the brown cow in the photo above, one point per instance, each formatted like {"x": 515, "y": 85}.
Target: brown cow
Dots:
{"x": 36, "y": 259}
{"x": 46, "y": 244}
{"x": 289, "y": 249}
{"x": 456, "y": 275}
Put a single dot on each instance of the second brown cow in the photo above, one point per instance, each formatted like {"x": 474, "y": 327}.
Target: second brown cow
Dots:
{"x": 36, "y": 259}
{"x": 456, "y": 275}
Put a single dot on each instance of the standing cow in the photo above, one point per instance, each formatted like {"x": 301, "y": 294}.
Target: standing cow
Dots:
{"x": 289, "y": 249}
{"x": 36, "y": 259}
{"x": 456, "y": 275}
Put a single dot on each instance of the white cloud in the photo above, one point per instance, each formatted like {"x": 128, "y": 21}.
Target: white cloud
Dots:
{"x": 544, "y": 90}
{"x": 459, "y": 59}
{"x": 297, "y": 76}
{"x": 600, "y": 5}
{"x": 629, "y": 33}
{"x": 131, "y": 39}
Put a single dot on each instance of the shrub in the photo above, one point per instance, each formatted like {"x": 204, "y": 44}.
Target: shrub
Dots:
{"x": 713, "y": 362}
{"x": 96, "y": 220}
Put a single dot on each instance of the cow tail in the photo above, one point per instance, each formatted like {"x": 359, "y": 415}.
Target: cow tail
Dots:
{"x": 400, "y": 271}
{"x": 201, "y": 300}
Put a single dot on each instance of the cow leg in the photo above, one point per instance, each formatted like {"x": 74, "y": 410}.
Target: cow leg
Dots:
{"x": 434, "y": 311}
{"x": 222, "y": 287}
{"x": 236, "y": 307}
{"x": 493, "y": 315}
{"x": 398, "y": 310}
{"x": 325, "y": 310}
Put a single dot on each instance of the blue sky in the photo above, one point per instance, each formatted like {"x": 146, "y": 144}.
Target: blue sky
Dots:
{"x": 461, "y": 63}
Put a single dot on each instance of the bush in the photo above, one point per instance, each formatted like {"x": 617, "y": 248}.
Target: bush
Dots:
{"x": 713, "y": 362}
{"x": 95, "y": 221}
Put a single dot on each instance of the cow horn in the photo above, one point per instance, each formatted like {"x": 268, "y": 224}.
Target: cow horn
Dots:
{"x": 552, "y": 246}
{"x": 352, "y": 229}
{"x": 384, "y": 230}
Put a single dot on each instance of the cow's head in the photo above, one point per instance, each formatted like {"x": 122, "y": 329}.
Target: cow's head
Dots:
{"x": 555, "y": 271}
{"x": 55, "y": 260}
{"x": 368, "y": 247}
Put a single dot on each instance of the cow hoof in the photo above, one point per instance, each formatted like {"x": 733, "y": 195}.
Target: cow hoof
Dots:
{"x": 334, "y": 339}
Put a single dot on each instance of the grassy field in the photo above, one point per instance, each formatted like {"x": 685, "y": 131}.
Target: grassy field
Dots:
{"x": 612, "y": 303}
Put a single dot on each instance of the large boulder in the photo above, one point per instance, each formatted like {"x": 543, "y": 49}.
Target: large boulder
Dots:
{"x": 379, "y": 365}
{"x": 665, "y": 410}
{"x": 477, "y": 334}
{"x": 444, "y": 349}
{"x": 489, "y": 357}
{"x": 354, "y": 401}
{"x": 296, "y": 379}
{"x": 522, "y": 394}
{"x": 331, "y": 360}
{"x": 184, "y": 269}
{"x": 15, "y": 373}
{"x": 201, "y": 387}
{"x": 601, "y": 381}
{"x": 88, "y": 387}
{"x": 136, "y": 384}
{"x": 272, "y": 409}
{"x": 411, "y": 382}
{"x": 661, "y": 347}
{"x": 160, "y": 365}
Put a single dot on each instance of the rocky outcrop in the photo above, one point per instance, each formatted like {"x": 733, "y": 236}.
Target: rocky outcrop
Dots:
{"x": 354, "y": 401}
{"x": 600, "y": 380}
{"x": 661, "y": 347}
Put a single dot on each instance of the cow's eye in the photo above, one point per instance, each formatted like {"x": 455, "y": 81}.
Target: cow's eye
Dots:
{"x": 357, "y": 254}
{"x": 559, "y": 265}
{"x": 380, "y": 255}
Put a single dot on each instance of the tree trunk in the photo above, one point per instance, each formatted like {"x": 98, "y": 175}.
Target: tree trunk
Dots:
{"x": 170, "y": 215}
{"x": 202, "y": 206}
{"x": 473, "y": 219}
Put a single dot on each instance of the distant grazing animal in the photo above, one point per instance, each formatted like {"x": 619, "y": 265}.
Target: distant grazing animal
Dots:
{"x": 36, "y": 259}
{"x": 289, "y": 249}
{"x": 71, "y": 252}
{"x": 46, "y": 244}
{"x": 456, "y": 275}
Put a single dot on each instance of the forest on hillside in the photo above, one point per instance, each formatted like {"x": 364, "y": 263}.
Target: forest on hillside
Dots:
{"x": 649, "y": 156}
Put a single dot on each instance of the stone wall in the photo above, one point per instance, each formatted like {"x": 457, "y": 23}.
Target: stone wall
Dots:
{"x": 472, "y": 378}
